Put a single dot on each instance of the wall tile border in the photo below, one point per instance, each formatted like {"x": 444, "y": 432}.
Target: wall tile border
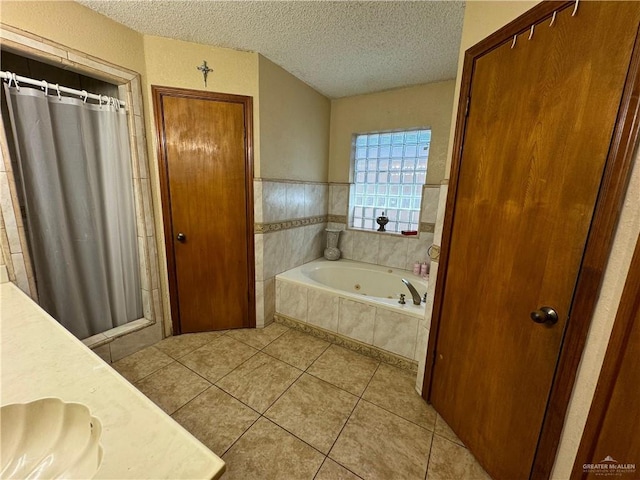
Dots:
{"x": 287, "y": 224}
{"x": 427, "y": 227}
{"x": 337, "y": 219}
{"x": 358, "y": 347}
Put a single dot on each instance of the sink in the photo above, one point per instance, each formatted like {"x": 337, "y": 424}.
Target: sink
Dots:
{"x": 49, "y": 438}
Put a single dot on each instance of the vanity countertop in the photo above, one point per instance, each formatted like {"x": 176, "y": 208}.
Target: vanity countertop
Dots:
{"x": 40, "y": 358}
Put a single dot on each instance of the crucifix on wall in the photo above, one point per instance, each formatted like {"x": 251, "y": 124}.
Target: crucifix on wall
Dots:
{"x": 204, "y": 68}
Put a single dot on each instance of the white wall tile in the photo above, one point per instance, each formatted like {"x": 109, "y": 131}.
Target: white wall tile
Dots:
{"x": 442, "y": 204}
{"x": 316, "y": 201}
{"x": 10, "y": 221}
{"x": 365, "y": 247}
{"x": 257, "y": 201}
{"x": 273, "y": 253}
{"x": 356, "y": 320}
{"x": 395, "y": 332}
{"x": 338, "y": 199}
{"x": 392, "y": 251}
{"x": 269, "y": 300}
{"x": 258, "y": 248}
{"x": 345, "y": 244}
{"x": 21, "y": 273}
{"x": 430, "y": 202}
{"x": 417, "y": 249}
{"x": 314, "y": 239}
{"x": 274, "y": 202}
{"x": 292, "y": 301}
{"x": 259, "y": 304}
{"x": 322, "y": 309}
{"x": 295, "y": 247}
{"x": 295, "y": 200}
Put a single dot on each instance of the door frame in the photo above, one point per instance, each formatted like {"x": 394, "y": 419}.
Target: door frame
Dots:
{"x": 158, "y": 92}
{"x": 628, "y": 313}
{"x": 599, "y": 241}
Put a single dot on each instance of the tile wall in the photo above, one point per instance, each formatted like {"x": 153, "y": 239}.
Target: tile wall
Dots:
{"x": 290, "y": 218}
{"x": 378, "y": 326}
{"x": 425, "y": 324}
{"x": 388, "y": 249}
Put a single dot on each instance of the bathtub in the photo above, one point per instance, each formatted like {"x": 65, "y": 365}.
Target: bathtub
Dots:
{"x": 356, "y": 300}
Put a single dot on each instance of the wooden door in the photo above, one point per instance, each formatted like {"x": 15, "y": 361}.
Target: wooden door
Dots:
{"x": 204, "y": 142}
{"x": 539, "y": 126}
{"x": 612, "y": 435}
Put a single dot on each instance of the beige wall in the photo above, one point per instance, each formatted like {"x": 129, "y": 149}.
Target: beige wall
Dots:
{"x": 481, "y": 19}
{"x": 294, "y": 127}
{"x": 78, "y": 27}
{"x": 419, "y": 106}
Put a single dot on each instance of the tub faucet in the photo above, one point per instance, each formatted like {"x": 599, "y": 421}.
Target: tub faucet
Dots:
{"x": 414, "y": 293}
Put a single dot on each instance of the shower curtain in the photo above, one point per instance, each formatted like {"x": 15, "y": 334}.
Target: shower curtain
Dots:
{"x": 75, "y": 170}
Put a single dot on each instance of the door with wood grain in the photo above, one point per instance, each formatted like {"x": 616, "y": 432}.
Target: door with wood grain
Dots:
{"x": 204, "y": 143}
{"x": 538, "y": 131}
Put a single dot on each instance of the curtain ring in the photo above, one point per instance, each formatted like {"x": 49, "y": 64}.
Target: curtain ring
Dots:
{"x": 45, "y": 87}
{"x": 85, "y": 95}
{"x": 57, "y": 87}
{"x": 106, "y": 100}
{"x": 531, "y": 32}
{"x": 9, "y": 78}
{"x": 575, "y": 8}
{"x": 513, "y": 44}
{"x": 14, "y": 77}
{"x": 553, "y": 19}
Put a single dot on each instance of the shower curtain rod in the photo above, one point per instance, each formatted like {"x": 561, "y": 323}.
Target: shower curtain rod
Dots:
{"x": 18, "y": 79}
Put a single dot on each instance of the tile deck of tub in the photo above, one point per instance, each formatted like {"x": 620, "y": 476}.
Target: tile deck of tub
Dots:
{"x": 276, "y": 403}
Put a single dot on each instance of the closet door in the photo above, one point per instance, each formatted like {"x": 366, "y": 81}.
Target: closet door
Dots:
{"x": 541, "y": 116}
{"x": 206, "y": 174}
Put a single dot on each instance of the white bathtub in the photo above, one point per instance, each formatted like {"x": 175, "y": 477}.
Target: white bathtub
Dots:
{"x": 356, "y": 300}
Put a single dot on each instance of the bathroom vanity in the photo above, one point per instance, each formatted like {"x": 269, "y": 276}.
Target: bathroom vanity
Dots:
{"x": 39, "y": 359}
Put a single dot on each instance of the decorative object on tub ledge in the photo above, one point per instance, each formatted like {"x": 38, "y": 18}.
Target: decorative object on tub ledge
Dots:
{"x": 204, "y": 68}
{"x": 358, "y": 347}
{"x": 382, "y": 220}
{"x": 332, "y": 252}
{"x": 409, "y": 232}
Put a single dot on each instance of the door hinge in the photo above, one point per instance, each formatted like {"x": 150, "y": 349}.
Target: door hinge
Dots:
{"x": 466, "y": 110}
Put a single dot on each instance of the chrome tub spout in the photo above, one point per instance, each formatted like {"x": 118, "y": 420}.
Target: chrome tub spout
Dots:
{"x": 414, "y": 293}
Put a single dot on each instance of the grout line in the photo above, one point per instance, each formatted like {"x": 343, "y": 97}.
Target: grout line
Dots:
{"x": 239, "y": 437}
{"x": 426, "y": 473}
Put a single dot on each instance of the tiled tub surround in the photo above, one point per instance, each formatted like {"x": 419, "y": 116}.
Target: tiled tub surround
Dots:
{"x": 386, "y": 249}
{"x": 328, "y": 295}
{"x": 290, "y": 219}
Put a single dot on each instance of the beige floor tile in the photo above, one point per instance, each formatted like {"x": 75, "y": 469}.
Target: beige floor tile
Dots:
{"x": 394, "y": 390}
{"x": 330, "y": 470}
{"x": 179, "y": 345}
{"x": 344, "y": 368}
{"x": 216, "y": 419}
{"x": 445, "y": 431}
{"x": 258, "y": 337}
{"x": 142, "y": 363}
{"x": 217, "y": 358}
{"x": 314, "y": 411}
{"x": 172, "y": 386}
{"x": 259, "y": 381}
{"x": 376, "y": 444}
{"x": 267, "y": 452}
{"x": 450, "y": 461}
{"x": 297, "y": 348}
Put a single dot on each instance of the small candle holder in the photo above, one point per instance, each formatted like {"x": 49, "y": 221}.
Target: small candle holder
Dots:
{"x": 382, "y": 220}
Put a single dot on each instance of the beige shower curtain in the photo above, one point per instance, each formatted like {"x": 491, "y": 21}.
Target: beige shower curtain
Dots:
{"x": 75, "y": 171}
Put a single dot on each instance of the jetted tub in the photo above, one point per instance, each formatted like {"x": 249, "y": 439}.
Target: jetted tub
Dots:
{"x": 356, "y": 300}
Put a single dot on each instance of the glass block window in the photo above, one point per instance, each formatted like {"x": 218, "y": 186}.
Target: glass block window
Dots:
{"x": 389, "y": 172}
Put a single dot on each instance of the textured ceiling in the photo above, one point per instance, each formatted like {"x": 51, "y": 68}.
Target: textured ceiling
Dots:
{"x": 340, "y": 48}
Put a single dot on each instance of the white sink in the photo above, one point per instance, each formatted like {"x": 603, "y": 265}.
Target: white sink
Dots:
{"x": 49, "y": 438}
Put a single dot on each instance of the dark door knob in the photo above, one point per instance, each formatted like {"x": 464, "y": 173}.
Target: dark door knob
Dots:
{"x": 545, "y": 315}
{"x": 181, "y": 237}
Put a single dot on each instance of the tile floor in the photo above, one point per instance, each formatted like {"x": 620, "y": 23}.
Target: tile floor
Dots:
{"x": 275, "y": 403}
